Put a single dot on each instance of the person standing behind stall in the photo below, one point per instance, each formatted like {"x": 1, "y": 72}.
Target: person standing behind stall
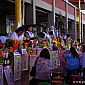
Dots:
{"x": 46, "y": 33}
{"x": 63, "y": 36}
{"x": 18, "y": 34}
{"x": 29, "y": 33}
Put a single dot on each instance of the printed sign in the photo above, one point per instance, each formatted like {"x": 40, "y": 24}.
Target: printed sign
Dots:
{"x": 9, "y": 75}
{"x": 1, "y": 75}
{"x": 17, "y": 66}
{"x": 53, "y": 58}
{"x": 24, "y": 62}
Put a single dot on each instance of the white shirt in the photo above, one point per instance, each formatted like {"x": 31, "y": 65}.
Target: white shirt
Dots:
{"x": 63, "y": 37}
{"x": 14, "y": 35}
{"x": 30, "y": 34}
{"x": 46, "y": 35}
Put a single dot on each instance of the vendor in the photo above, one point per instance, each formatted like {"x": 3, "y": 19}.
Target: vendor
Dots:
{"x": 28, "y": 33}
{"x": 63, "y": 36}
{"x": 45, "y": 32}
{"x": 47, "y": 37}
{"x": 29, "y": 36}
{"x": 18, "y": 34}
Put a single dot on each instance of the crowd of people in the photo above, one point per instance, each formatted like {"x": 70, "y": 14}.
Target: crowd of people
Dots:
{"x": 74, "y": 59}
{"x": 75, "y": 65}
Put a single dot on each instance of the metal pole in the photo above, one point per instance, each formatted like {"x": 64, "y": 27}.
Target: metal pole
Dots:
{"x": 23, "y": 12}
{"x": 34, "y": 11}
{"x": 53, "y": 9}
{"x": 82, "y": 28}
{"x": 75, "y": 25}
{"x": 67, "y": 16}
{"x": 18, "y": 12}
{"x": 79, "y": 21}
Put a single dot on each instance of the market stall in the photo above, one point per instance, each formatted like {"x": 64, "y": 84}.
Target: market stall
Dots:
{"x": 18, "y": 57}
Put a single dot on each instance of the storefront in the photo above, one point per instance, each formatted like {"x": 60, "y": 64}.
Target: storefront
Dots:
{"x": 7, "y": 16}
{"x": 71, "y": 30}
{"x": 41, "y": 18}
{"x": 41, "y": 12}
{"x": 60, "y": 23}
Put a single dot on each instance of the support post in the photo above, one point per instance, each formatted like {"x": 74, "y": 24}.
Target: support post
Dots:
{"x": 66, "y": 17}
{"x": 51, "y": 15}
{"x": 75, "y": 25}
{"x": 82, "y": 27}
{"x": 79, "y": 21}
{"x": 18, "y": 12}
{"x": 53, "y": 10}
{"x": 34, "y": 12}
{"x": 23, "y": 11}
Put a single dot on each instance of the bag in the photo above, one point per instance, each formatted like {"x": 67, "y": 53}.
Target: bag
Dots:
{"x": 33, "y": 71}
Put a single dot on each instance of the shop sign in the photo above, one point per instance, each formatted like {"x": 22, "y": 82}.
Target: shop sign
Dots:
{"x": 53, "y": 58}
{"x": 17, "y": 66}
{"x": 24, "y": 60}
